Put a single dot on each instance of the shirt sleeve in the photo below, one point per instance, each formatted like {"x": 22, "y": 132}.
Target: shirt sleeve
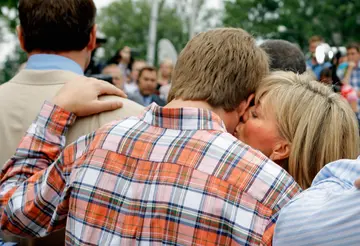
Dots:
{"x": 33, "y": 185}
{"x": 325, "y": 214}
{"x": 290, "y": 190}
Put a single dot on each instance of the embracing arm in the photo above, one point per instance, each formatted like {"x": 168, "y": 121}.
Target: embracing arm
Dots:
{"x": 33, "y": 195}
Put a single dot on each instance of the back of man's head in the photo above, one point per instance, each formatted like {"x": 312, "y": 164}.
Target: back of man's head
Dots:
{"x": 284, "y": 56}
{"x": 56, "y": 25}
{"x": 222, "y": 67}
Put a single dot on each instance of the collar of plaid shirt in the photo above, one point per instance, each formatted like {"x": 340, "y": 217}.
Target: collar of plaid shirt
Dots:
{"x": 171, "y": 176}
{"x": 184, "y": 119}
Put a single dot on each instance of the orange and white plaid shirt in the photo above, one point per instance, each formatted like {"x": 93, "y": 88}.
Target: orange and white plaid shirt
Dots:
{"x": 170, "y": 176}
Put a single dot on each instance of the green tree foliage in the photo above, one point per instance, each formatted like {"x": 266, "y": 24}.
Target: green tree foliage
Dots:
{"x": 338, "y": 21}
{"x": 12, "y": 64}
{"x": 8, "y": 12}
{"x": 8, "y": 22}
{"x": 126, "y": 23}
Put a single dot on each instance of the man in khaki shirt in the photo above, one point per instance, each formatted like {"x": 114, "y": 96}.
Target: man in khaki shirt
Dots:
{"x": 58, "y": 37}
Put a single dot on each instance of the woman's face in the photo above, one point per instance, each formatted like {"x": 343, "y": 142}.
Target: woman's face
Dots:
{"x": 125, "y": 54}
{"x": 166, "y": 69}
{"x": 258, "y": 128}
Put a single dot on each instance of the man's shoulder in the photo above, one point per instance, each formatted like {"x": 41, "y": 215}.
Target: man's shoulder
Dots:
{"x": 129, "y": 108}
{"x": 135, "y": 96}
{"x": 92, "y": 123}
{"x": 331, "y": 193}
{"x": 252, "y": 171}
{"x": 43, "y": 77}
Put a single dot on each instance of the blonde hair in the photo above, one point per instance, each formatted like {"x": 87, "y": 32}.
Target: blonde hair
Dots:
{"x": 319, "y": 125}
{"x": 168, "y": 62}
{"x": 222, "y": 67}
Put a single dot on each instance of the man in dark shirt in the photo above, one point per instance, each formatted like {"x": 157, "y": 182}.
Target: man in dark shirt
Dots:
{"x": 147, "y": 83}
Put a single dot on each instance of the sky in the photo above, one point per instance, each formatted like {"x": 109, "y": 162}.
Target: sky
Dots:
{"x": 8, "y": 46}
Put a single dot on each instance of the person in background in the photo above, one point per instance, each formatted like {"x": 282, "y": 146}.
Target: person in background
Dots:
{"x": 349, "y": 73}
{"x": 115, "y": 72}
{"x": 125, "y": 60}
{"x": 146, "y": 94}
{"x": 96, "y": 65}
{"x": 345, "y": 90}
{"x": 165, "y": 71}
{"x": 181, "y": 160}
{"x": 164, "y": 80}
{"x": 312, "y": 63}
{"x": 131, "y": 86}
{"x": 326, "y": 76}
{"x": 59, "y": 49}
{"x": 284, "y": 56}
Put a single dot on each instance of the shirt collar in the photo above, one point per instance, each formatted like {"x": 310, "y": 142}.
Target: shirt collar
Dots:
{"x": 53, "y": 62}
{"x": 183, "y": 118}
{"x": 346, "y": 171}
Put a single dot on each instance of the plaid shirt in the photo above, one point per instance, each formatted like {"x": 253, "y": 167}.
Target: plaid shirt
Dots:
{"x": 170, "y": 176}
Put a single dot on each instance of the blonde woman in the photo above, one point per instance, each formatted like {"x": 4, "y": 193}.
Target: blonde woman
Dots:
{"x": 165, "y": 71}
{"x": 164, "y": 80}
{"x": 300, "y": 124}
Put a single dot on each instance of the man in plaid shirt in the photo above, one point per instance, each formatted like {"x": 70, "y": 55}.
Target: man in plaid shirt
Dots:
{"x": 173, "y": 175}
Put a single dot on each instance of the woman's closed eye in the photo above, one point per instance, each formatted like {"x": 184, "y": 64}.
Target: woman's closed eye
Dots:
{"x": 253, "y": 114}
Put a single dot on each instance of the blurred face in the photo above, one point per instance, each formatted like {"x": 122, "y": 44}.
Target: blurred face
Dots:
{"x": 125, "y": 54}
{"x": 258, "y": 129}
{"x": 115, "y": 73}
{"x": 326, "y": 80}
{"x": 313, "y": 46}
{"x": 147, "y": 83}
{"x": 166, "y": 69}
{"x": 137, "y": 66}
{"x": 353, "y": 55}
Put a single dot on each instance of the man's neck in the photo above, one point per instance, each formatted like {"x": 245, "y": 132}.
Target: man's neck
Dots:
{"x": 178, "y": 103}
{"x": 76, "y": 56}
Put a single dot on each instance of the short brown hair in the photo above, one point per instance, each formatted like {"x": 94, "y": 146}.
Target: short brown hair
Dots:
{"x": 222, "y": 67}
{"x": 56, "y": 25}
{"x": 147, "y": 68}
{"x": 316, "y": 39}
{"x": 353, "y": 46}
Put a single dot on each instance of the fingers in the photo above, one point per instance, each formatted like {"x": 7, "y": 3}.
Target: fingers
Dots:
{"x": 106, "y": 88}
{"x": 102, "y": 106}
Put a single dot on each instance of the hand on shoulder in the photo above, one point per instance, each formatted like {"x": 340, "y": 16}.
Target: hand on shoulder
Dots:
{"x": 81, "y": 96}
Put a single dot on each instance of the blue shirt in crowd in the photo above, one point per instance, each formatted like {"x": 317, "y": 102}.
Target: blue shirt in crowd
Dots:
{"x": 317, "y": 68}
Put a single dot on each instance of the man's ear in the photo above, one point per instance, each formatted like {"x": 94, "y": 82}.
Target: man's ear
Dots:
{"x": 21, "y": 38}
{"x": 244, "y": 105}
{"x": 92, "y": 42}
{"x": 281, "y": 151}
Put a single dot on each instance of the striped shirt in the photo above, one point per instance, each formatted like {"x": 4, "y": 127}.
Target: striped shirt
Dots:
{"x": 328, "y": 213}
{"x": 170, "y": 176}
